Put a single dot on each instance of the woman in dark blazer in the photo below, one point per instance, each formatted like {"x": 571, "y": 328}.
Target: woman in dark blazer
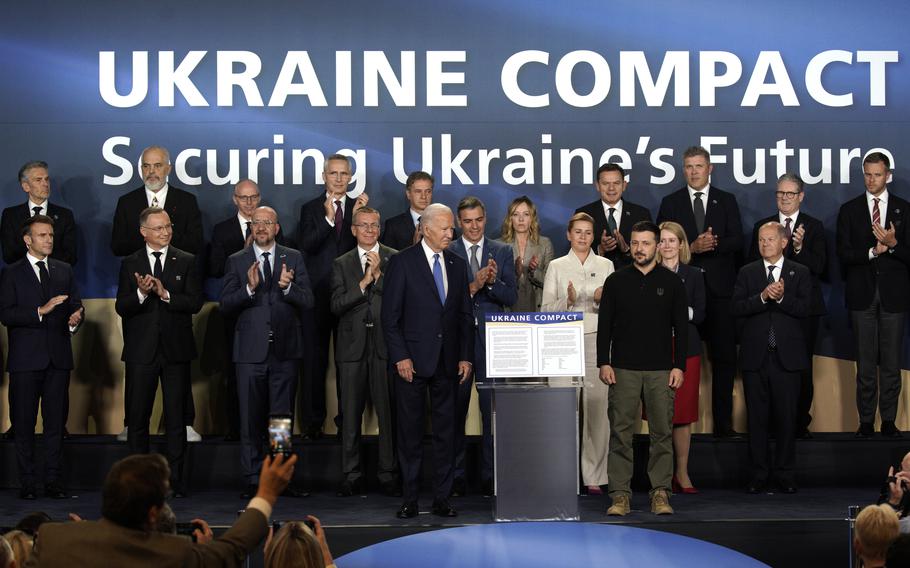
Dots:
{"x": 675, "y": 255}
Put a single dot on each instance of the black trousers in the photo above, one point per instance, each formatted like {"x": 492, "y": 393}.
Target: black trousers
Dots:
{"x": 720, "y": 335}
{"x": 143, "y": 383}
{"x": 771, "y": 396}
{"x": 462, "y": 402}
{"x": 411, "y": 399}
{"x": 49, "y": 387}
{"x": 319, "y": 327}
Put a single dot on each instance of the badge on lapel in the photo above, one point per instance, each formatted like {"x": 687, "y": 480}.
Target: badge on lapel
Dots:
{"x": 713, "y": 202}
{"x": 179, "y": 277}
{"x": 792, "y": 273}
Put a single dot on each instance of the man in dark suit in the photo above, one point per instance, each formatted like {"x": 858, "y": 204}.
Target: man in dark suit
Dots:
{"x": 160, "y": 289}
{"x": 266, "y": 289}
{"x": 133, "y": 499}
{"x": 428, "y": 325}
{"x": 772, "y": 297}
{"x": 324, "y": 234}
{"x": 35, "y": 181}
{"x": 806, "y": 244}
{"x": 613, "y": 216}
{"x": 492, "y": 288}
{"x": 229, "y": 236}
{"x": 40, "y": 307}
{"x": 711, "y": 220}
{"x": 360, "y": 352}
{"x": 402, "y": 231}
{"x": 183, "y": 212}
{"x": 872, "y": 245}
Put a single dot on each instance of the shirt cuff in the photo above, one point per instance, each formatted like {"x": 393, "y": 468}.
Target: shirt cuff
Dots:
{"x": 691, "y": 313}
{"x": 249, "y": 292}
{"x": 262, "y": 506}
{"x": 142, "y": 297}
{"x": 331, "y": 222}
{"x": 287, "y": 290}
{"x": 40, "y": 317}
{"x": 872, "y": 253}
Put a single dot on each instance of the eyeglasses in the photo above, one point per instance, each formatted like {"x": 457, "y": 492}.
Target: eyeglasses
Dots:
{"x": 161, "y": 228}
{"x": 263, "y": 222}
{"x": 787, "y": 194}
{"x": 247, "y": 198}
{"x": 368, "y": 226}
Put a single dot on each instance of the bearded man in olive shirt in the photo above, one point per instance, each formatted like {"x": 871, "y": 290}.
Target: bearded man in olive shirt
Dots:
{"x": 641, "y": 352}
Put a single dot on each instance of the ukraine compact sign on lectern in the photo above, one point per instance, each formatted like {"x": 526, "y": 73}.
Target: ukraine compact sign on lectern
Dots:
{"x": 535, "y": 365}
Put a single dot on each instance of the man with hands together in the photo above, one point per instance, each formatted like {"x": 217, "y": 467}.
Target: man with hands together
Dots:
{"x": 266, "y": 289}
{"x": 41, "y": 309}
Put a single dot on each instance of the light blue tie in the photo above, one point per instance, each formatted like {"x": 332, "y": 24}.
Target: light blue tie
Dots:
{"x": 437, "y": 276}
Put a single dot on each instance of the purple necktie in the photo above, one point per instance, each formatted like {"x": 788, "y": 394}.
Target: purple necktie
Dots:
{"x": 339, "y": 218}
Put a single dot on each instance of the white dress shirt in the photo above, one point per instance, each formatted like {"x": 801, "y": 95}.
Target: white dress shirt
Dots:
{"x": 442, "y": 262}
{"x": 161, "y": 194}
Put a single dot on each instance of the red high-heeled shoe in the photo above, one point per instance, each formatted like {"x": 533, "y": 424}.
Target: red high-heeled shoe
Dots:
{"x": 677, "y": 488}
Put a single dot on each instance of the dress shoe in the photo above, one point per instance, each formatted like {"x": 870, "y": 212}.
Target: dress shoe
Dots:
{"x": 55, "y": 491}
{"x": 295, "y": 492}
{"x": 391, "y": 488}
{"x": 249, "y": 491}
{"x": 889, "y": 430}
{"x": 408, "y": 510}
{"x": 788, "y": 487}
{"x": 865, "y": 430}
{"x": 179, "y": 493}
{"x": 488, "y": 489}
{"x": 349, "y": 488}
{"x": 678, "y": 488}
{"x": 621, "y": 505}
{"x": 28, "y": 493}
{"x": 594, "y": 490}
{"x": 755, "y": 487}
{"x": 9, "y": 434}
{"x": 459, "y": 488}
{"x": 312, "y": 432}
{"x": 442, "y": 508}
{"x": 660, "y": 502}
{"x": 727, "y": 433}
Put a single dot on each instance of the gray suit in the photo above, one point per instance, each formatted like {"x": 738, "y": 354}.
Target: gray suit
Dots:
{"x": 362, "y": 361}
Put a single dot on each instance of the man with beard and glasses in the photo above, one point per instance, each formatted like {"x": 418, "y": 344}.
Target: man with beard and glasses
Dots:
{"x": 186, "y": 235}
{"x": 641, "y": 352}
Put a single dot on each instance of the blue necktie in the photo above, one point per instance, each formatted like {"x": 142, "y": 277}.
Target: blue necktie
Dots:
{"x": 437, "y": 276}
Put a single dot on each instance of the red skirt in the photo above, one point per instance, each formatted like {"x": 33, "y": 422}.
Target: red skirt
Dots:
{"x": 685, "y": 405}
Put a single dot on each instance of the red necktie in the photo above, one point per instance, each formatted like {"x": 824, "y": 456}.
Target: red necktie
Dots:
{"x": 876, "y": 214}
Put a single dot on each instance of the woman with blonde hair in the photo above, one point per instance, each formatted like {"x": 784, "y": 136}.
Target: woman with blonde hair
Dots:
{"x": 875, "y": 529}
{"x": 531, "y": 250}
{"x": 20, "y": 544}
{"x": 673, "y": 253}
{"x": 575, "y": 282}
{"x": 296, "y": 545}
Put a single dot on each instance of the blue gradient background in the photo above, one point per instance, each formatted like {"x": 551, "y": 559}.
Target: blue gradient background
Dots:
{"x": 51, "y": 109}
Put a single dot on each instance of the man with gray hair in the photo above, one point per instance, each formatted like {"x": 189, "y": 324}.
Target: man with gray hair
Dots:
{"x": 186, "y": 222}
{"x": 324, "y": 234}
{"x": 428, "y": 324}
{"x": 771, "y": 298}
{"x": 807, "y": 246}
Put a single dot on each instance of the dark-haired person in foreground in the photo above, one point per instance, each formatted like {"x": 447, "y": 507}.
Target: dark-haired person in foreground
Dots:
{"x": 40, "y": 307}
{"x": 641, "y": 352}
{"x": 872, "y": 245}
{"x": 133, "y": 496}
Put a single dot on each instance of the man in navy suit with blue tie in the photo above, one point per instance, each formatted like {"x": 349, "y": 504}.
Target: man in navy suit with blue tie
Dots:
{"x": 40, "y": 307}
{"x": 265, "y": 289}
{"x": 429, "y": 331}
{"x": 492, "y": 288}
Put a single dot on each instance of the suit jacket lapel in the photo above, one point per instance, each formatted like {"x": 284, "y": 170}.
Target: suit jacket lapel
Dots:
{"x": 687, "y": 215}
{"x": 423, "y": 268}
